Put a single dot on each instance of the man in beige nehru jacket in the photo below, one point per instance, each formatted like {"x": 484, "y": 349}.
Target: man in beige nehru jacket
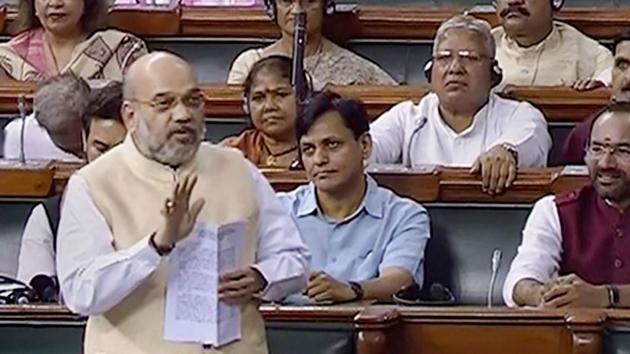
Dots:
{"x": 533, "y": 49}
{"x": 124, "y": 213}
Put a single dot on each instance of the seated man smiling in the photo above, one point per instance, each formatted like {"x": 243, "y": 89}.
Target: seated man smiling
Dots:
{"x": 366, "y": 242}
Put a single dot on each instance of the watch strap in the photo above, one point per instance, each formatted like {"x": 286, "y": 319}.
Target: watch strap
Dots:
{"x": 358, "y": 290}
{"x": 161, "y": 251}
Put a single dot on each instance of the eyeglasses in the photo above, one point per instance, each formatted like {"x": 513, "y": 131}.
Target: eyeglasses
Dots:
{"x": 597, "y": 151}
{"x": 445, "y": 58}
{"x": 164, "y": 103}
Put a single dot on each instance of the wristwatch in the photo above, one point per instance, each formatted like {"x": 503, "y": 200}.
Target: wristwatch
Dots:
{"x": 512, "y": 150}
{"x": 161, "y": 251}
{"x": 358, "y": 290}
{"x": 613, "y": 296}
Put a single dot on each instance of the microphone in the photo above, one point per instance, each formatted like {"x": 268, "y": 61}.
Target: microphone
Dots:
{"x": 496, "y": 263}
{"x": 297, "y": 67}
{"x": 420, "y": 124}
{"x": 22, "y": 109}
{"x": 46, "y": 287}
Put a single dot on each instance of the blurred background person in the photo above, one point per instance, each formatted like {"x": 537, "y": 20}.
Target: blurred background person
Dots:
{"x": 325, "y": 61}
{"x": 58, "y": 36}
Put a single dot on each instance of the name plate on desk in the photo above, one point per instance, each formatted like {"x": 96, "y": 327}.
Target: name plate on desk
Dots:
{"x": 32, "y": 178}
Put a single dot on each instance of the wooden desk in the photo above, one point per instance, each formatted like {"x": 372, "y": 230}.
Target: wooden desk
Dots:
{"x": 383, "y": 329}
{"x": 224, "y": 103}
{"x": 432, "y": 184}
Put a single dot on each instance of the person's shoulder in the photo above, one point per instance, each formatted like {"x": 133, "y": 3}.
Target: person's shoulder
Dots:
{"x": 13, "y": 127}
{"x": 113, "y": 33}
{"x": 410, "y": 109}
{"x": 570, "y": 33}
{"x": 516, "y": 107}
{"x": 239, "y": 141}
{"x": 105, "y": 162}
{"x": 239, "y": 69}
{"x": 293, "y": 199}
{"x": 248, "y": 57}
{"x": 220, "y": 151}
{"x": 571, "y": 197}
{"x": 396, "y": 204}
{"x": 497, "y": 33}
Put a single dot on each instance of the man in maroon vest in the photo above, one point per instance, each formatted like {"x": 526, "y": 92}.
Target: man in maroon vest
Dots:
{"x": 576, "y": 246}
{"x": 573, "y": 149}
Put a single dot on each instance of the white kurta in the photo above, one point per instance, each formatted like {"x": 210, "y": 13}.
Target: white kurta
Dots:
{"x": 415, "y": 134}
{"x": 91, "y": 265}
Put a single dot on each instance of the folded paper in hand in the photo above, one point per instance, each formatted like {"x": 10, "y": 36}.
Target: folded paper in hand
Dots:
{"x": 193, "y": 311}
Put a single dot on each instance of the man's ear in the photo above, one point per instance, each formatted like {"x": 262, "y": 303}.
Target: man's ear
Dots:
{"x": 127, "y": 112}
{"x": 366, "y": 145}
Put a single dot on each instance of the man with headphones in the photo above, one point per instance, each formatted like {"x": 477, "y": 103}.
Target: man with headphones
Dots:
{"x": 533, "y": 49}
{"x": 326, "y": 62}
{"x": 463, "y": 123}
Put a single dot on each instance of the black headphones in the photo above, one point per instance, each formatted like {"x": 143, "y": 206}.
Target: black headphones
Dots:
{"x": 270, "y": 8}
{"x": 556, "y": 5}
{"x": 496, "y": 73}
{"x": 13, "y": 291}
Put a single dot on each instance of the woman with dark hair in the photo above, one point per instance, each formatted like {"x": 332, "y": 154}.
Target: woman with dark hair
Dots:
{"x": 270, "y": 102}
{"x": 327, "y": 62}
{"x": 57, "y": 36}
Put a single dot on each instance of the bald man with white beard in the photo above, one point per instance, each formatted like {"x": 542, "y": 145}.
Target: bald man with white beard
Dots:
{"x": 126, "y": 212}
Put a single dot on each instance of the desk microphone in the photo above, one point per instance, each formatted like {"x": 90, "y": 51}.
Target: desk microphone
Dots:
{"x": 420, "y": 124}
{"x": 496, "y": 263}
{"x": 22, "y": 109}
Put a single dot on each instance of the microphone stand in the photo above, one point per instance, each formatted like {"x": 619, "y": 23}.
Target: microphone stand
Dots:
{"x": 298, "y": 77}
{"x": 22, "y": 110}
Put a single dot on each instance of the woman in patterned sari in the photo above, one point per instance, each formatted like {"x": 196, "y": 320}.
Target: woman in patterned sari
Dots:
{"x": 56, "y": 36}
{"x": 325, "y": 61}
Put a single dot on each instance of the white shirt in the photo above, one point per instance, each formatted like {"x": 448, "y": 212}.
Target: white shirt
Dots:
{"x": 37, "y": 143}
{"x": 540, "y": 252}
{"x": 415, "y": 134}
{"x": 37, "y": 255}
{"x": 94, "y": 277}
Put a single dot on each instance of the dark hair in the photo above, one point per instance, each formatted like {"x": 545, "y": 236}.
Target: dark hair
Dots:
{"x": 622, "y": 37}
{"x": 278, "y": 64}
{"x": 104, "y": 104}
{"x": 352, "y": 111}
{"x": 93, "y": 19}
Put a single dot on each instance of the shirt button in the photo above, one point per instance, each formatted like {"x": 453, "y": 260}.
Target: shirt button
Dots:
{"x": 334, "y": 259}
{"x": 619, "y": 233}
{"x": 618, "y": 263}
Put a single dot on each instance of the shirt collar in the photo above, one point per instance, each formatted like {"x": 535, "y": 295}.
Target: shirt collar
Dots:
{"x": 372, "y": 201}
